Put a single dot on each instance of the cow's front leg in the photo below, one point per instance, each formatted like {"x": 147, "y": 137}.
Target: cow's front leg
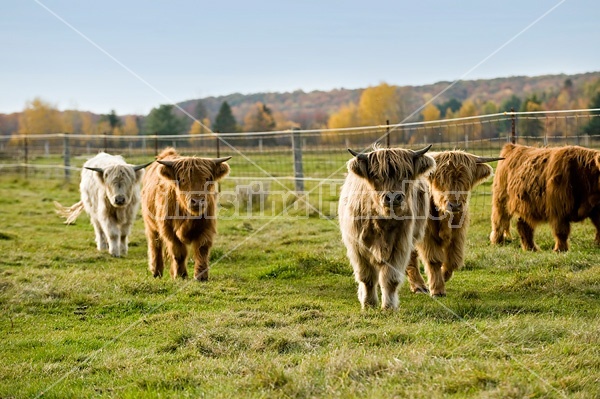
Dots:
{"x": 437, "y": 285}
{"x": 417, "y": 284}
{"x": 178, "y": 252}
{"x": 201, "y": 255}
{"x": 454, "y": 254}
{"x": 113, "y": 234}
{"x": 125, "y": 230}
{"x": 366, "y": 277}
{"x": 101, "y": 243}
{"x": 389, "y": 280}
{"x": 155, "y": 253}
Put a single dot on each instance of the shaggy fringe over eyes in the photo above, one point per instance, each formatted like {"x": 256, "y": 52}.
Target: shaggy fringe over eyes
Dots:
{"x": 390, "y": 163}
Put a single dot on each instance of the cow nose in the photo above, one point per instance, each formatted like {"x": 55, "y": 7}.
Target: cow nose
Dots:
{"x": 196, "y": 202}
{"x": 120, "y": 200}
{"x": 454, "y": 206}
{"x": 393, "y": 199}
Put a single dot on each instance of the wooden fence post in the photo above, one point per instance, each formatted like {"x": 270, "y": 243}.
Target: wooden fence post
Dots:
{"x": 67, "y": 157}
{"x": 298, "y": 169}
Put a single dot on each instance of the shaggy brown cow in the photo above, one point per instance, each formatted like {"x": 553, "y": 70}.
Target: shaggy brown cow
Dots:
{"x": 382, "y": 212}
{"x": 555, "y": 185}
{"x": 179, "y": 209}
{"x": 443, "y": 245}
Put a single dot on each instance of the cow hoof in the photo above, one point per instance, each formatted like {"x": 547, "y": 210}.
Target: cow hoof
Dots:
{"x": 201, "y": 279}
{"x": 439, "y": 295}
{"x": 420, "y": 290}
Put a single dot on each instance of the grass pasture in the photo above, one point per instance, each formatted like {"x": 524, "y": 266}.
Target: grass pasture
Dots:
{"x": 280, "y": 318}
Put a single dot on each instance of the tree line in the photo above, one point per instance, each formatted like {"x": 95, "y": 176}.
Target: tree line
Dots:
{"x": 376, "y": 105}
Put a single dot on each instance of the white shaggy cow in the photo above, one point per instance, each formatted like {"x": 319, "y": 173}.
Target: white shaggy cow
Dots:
{"x": 382, "y": 211}
{"x": 110, "y": 194}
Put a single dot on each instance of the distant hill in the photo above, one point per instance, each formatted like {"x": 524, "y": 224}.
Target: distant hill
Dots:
{"x": 313, "y": 108}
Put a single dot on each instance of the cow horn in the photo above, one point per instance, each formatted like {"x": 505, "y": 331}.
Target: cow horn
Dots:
{"x": 487, "y": 159}
{"x": 138, "y": 167}
{"x": 99, "y": 170}
{"x": 359, "y": 155}
{"x": 166, "y": 163}
{"x": 220, "y": 160}
{"x": 422, "y": 151}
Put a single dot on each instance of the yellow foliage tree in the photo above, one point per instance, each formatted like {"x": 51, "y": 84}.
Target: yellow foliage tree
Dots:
{"x": 431, "y": 113}
{"x": 379, "y": 104}
{"x": 200, "y": 128}
{"x": 473, "y": 127}
{"x": 130, "y": 127}
{"x": 259, "y": 119}
{"x": 347, "y": 116}
{"x": 40, "y": 117}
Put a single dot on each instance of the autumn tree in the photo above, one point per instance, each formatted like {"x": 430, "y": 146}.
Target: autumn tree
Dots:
{"x": 472, "y": 128}
{"x": 40, "y": 117}
{"x": 346, "y": 116}
{"x": 200, "y": 127}
{"x": 225, "y": 121}
{"x": 379, "y": 104}
{"x": 531, "y": 125}
{"x": 593, "y": 126}
{"x": 431, "y": 113}
{"x": 131, "y": 126}
{"x": 259, "y": 119}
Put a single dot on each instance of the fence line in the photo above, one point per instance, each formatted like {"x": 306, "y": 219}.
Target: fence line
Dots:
{"x": 301, "y": 160}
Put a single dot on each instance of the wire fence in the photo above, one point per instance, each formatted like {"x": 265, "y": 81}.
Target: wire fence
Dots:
{"x": 284, "y": 164}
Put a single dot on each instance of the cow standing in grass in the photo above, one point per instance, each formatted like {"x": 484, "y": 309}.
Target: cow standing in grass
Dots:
{"x": 555, "y": 185}
{"x": 179, "y": 207}
{"x": 110, "y": 194}
{"x": 443, "y": 245}
{"x": 382, "y": 211}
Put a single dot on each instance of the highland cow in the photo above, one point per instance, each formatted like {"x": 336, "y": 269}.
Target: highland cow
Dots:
{"x": 382, "y": 212}
{"x": 554, "y": 185}
{"x": 443, "y": 245}
{"x": 179, "y": 207}
{"x": 110, "y": 194}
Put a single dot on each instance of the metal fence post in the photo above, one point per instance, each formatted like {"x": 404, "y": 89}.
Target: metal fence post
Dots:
{"x": 26, "y": 154}
{"x": 67, "y": 157}
{"x": 298, "y": 170}
{"x": 513, "y": 134}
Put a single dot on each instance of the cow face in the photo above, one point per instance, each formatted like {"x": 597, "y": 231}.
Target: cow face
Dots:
{"x": 194, "y": 180}
{"x": 390, "y": 173}
{"x": 119, "y": 182}
{"x": 456, "y": 174}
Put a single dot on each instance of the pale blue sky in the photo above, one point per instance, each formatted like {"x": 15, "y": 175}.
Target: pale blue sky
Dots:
{"x": 162, "y": 51}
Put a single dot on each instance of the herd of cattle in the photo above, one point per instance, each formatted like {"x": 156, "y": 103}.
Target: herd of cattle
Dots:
{"x": 396, "y": 206}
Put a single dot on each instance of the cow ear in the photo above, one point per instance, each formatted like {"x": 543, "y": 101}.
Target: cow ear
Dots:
{"x": 423, "y": 164}
{"x": 221, "y": 170}
{"x": 482, "y": 172}
{"x": 166, "y": 170}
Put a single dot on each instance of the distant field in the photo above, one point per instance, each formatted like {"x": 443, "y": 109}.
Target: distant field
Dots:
{"x": 280, "y": 317}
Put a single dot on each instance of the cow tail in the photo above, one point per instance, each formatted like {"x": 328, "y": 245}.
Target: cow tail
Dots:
{"x": 69, "y": 213}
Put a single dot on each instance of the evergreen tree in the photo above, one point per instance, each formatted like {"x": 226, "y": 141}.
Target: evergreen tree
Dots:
{"x": 225, "y": 121}
{"x": 162, "y": 121}
{"x": 593, "y": 127}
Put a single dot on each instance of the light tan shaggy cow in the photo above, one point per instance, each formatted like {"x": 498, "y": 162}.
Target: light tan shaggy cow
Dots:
{"x": 180, "y": 208}
{"x": 110, "y": 194}
{"x": 443, "y": 245}
{"x": 382, "y": 211}
{"x": 555, "y": 185}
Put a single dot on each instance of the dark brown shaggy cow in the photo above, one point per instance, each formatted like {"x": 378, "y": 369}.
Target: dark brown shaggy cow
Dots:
{"x": 179, "y": 209}
{"x": 555, "y": 185}
{"x": 382, "y": 211}
{"x": 443, "y": 245}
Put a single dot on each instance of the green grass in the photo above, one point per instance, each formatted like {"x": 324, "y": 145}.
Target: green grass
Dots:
{"x": 280, "y": 317}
